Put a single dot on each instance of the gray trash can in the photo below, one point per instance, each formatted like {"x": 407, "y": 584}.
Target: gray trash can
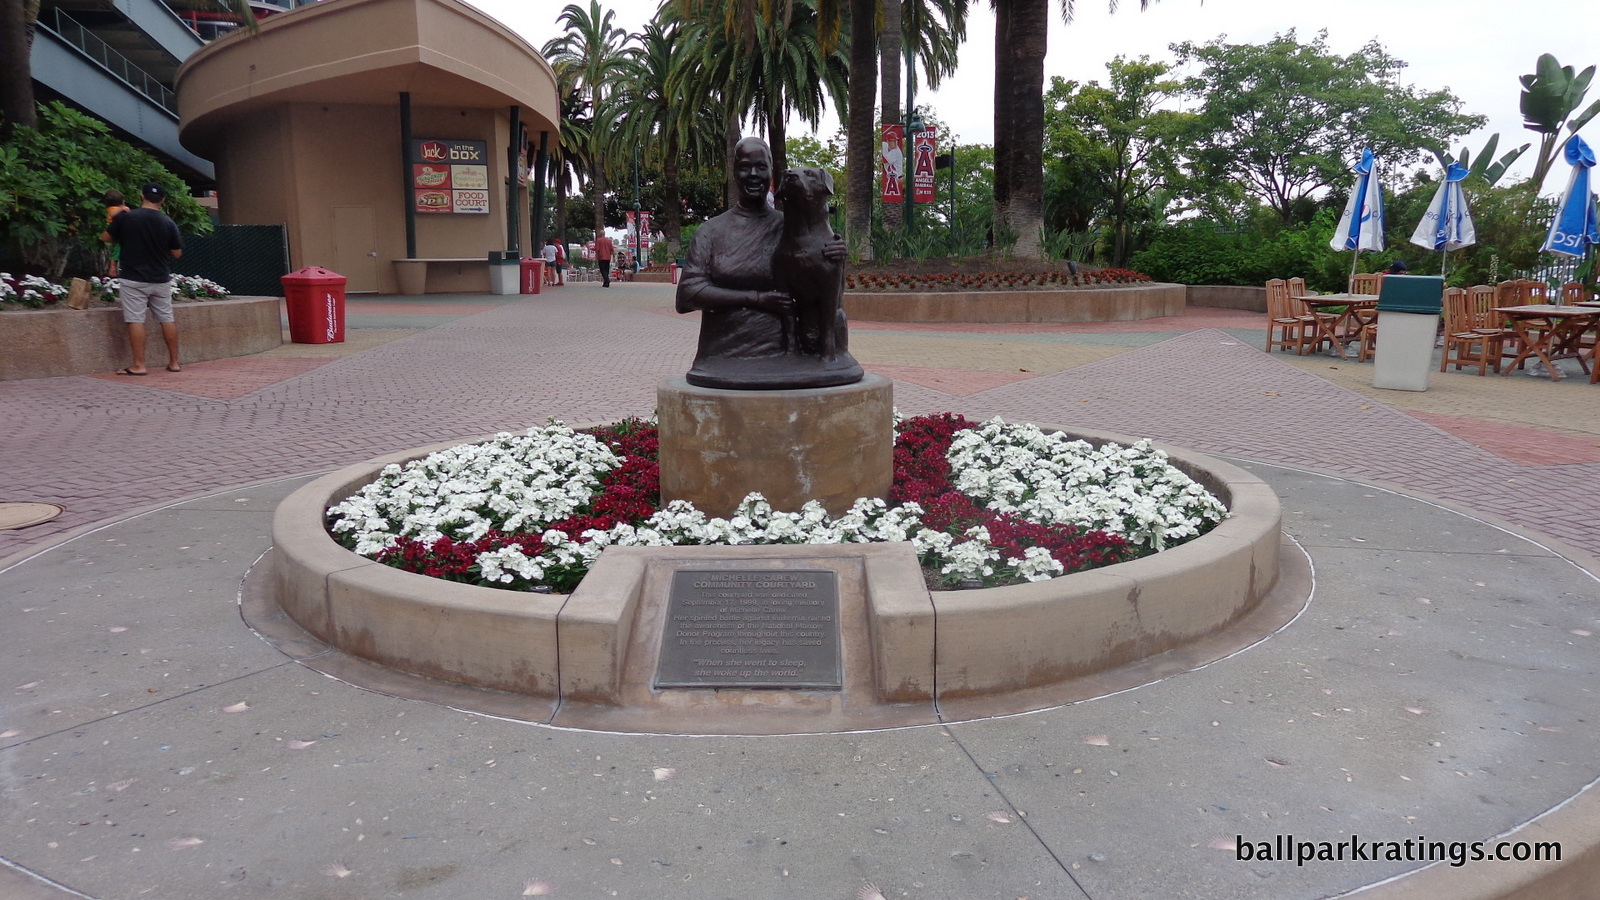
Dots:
{"x": 1408, "y": 322}
{"x": 504, "y": 269}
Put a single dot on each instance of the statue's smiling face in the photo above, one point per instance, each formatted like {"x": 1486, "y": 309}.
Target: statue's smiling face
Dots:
{"x": 753, "y": 171}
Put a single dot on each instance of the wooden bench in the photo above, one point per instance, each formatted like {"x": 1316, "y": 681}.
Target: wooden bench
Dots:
{"x": 413, "y": 273}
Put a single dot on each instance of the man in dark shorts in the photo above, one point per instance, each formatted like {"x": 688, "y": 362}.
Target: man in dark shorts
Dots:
{"x": 604, "y": 249}
{"x": 149, "y": 241}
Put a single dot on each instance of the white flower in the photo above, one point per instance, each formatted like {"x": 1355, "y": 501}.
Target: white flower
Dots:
{"x": 520, "y": 483}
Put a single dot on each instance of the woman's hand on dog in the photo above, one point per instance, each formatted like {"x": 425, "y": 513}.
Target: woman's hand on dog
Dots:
{"x": 836, "y": 249}
{"x": 777, "y": 303}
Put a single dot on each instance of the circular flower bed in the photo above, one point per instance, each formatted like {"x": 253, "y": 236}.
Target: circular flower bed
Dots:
{"x": 983, "y": 505}
{"x": 34, "y": 292}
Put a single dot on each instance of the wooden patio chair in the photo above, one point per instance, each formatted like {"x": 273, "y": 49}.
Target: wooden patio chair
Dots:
{"x": 1469, "y": 338}
{"x": 1366, "y": 283}
{"x": 1287, "y": 322}
{"x": 1577, "y": 292}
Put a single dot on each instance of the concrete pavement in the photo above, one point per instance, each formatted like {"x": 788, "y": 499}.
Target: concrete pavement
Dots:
{"x": 1438, "y": 683}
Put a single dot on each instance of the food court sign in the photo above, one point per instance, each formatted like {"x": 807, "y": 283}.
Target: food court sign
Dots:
{"x": 450, "y": 176}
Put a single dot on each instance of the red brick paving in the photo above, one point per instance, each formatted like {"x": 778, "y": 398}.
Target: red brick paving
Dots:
{"x": 226, "y": 379}
{"x": 103, "y": 447}
{"x": 1519, "y": 444}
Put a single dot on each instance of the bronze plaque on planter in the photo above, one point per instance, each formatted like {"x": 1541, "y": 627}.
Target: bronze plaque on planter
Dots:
{"x": 751, "y": 629}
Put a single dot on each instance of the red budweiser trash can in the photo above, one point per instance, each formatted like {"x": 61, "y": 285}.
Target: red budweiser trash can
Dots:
{"x": 315, "y": 298}
{"x": 532, "y": 274}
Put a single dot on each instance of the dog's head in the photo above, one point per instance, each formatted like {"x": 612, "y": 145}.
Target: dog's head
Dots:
{"x": 806, "y": 186}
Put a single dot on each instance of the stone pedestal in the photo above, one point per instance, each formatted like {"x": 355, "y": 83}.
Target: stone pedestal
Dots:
{"x": 831, "y": 444}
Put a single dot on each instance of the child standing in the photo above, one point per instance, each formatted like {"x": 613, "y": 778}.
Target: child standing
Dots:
{"x": 116, "y": 205}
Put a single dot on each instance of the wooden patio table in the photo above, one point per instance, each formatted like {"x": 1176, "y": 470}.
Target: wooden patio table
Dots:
{"x": 1549, "y": 332}
{"x": 1336, "y": 329}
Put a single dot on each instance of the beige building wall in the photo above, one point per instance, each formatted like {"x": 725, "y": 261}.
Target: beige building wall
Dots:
{"x": 303, "y": 122}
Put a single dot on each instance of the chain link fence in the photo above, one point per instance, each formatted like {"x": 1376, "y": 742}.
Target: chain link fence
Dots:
{"x": 248, "y": 260}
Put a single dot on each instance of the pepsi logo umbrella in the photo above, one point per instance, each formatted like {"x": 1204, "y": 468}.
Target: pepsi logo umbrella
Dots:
{"x": 1361, "y": 226}
{"x": 1575, "y": 227}
{"x": 1447, "y": 225}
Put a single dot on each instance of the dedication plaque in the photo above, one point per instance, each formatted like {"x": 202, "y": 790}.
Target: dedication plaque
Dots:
{"x": 751, "y": 629}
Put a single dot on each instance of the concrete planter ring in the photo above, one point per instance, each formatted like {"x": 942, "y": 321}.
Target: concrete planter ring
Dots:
{"x": 909, "y": 656}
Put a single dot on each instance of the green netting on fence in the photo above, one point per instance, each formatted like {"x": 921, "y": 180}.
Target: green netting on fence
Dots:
{"x": 245, "y": 259}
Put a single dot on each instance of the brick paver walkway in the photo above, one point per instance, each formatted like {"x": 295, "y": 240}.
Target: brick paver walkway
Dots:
{"x": 419, "y": 372}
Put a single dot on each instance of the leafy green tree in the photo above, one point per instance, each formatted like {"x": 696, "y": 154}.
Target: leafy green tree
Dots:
{"x": 53, "y": 177}
{"x": 1282, "y": 120}
{"x": 1110, "y": 150}
{"x": 1549, "y": 97}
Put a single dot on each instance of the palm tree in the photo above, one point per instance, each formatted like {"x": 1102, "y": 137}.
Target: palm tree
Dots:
{"x": 1020, "y": 42}
{"x": 568, "y": 160}
{"x": 929, "y": 32}
{"x": 590, "y": 54}
{"x": 860, "y": 133}
{"x": 763, "y": 63}
{"x": 657, "y": 117}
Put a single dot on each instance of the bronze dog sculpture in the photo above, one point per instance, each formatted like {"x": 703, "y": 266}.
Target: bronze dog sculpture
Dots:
{"x": 815, "y": 282}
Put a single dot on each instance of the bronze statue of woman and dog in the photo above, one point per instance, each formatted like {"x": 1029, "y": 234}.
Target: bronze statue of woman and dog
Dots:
{"x": 769, "y": 285}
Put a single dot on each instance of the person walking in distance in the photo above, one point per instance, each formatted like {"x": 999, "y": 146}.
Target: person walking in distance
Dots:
{"x": 150, "y": 242}
{"x": 604, "y": 249}
{"x": 548, "y": 252}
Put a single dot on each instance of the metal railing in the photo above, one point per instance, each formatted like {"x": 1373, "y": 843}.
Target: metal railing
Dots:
{"x": 120, "y": 67}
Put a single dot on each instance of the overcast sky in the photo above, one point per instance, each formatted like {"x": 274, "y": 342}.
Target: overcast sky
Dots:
{"x": 1475, "y": 48}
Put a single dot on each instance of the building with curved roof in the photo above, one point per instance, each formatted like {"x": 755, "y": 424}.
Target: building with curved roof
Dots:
{"x": 391, "y": 137}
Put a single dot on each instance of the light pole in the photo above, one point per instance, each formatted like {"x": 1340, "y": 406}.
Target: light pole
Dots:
{"x": 913, "y": 128}
{"x": 638, "y": 221}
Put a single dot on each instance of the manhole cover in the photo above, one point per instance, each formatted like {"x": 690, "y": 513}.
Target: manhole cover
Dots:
{"x": 21, "y": 515}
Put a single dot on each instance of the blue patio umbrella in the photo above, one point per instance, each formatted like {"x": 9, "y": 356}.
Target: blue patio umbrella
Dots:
{"x": 1447, "y": 225}
{"x": 1361, "y": 226}
{"x": 1574, "y": 229}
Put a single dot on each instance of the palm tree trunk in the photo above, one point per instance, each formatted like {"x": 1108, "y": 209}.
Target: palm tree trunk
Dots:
{"x": 561, "y": 200}
{"x": 16, "y": 79}
{"x": 1003, "y": 66}
{"x": 598, "y": 179}
{"x": 672, "y": 215}
{"x": 730, "y": 140}
{"x": 778, "y": 140}
{"x": 1028, "y": 29}
{"x": 889, "y": 46}
{"x": 861, "y": 141}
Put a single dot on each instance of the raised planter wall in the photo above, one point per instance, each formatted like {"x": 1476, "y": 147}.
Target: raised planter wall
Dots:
{"x": 1122, "y": 303}
{"x": 954, "y": 646}
{"x": 47, "y": 343}
{"x": 1218, "y": 296}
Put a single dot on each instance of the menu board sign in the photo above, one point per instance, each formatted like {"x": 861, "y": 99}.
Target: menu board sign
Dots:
{"x": 450, "y": 176}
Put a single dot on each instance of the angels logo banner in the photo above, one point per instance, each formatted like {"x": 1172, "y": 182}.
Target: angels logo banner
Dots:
{"x": 924, "y": 146}
{"x": 892, "y": 163}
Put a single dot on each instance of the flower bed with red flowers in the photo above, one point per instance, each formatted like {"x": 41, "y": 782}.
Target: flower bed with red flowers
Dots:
{"x": 983, "y": 504}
